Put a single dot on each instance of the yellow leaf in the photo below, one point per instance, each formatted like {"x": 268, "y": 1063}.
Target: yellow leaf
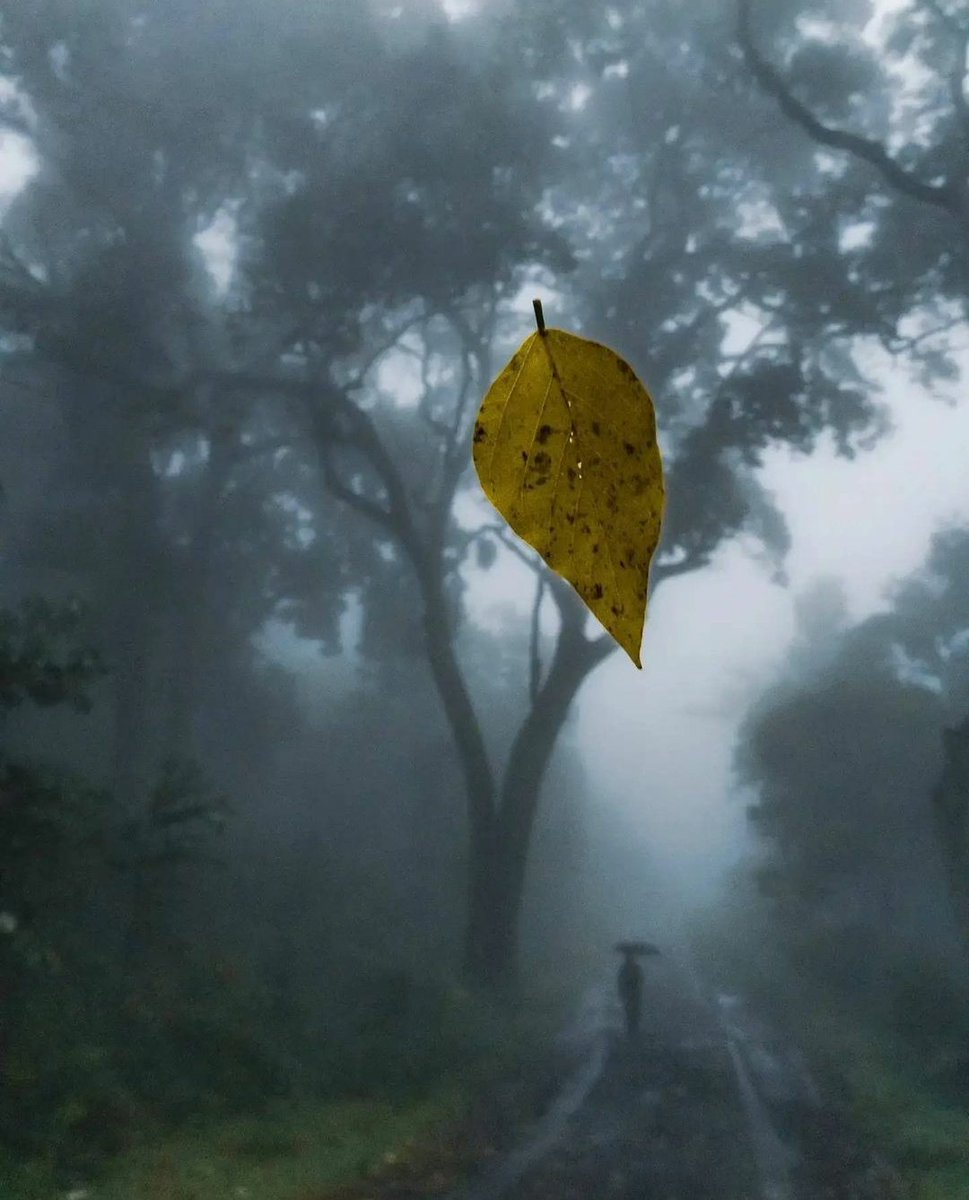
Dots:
{"x": 565, "y": 449}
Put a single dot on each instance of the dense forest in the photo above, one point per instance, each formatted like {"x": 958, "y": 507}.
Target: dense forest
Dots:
{"x": 291, "y": 817}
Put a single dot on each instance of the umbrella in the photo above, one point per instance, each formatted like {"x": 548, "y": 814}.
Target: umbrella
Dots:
{"x": 637, "y": 948}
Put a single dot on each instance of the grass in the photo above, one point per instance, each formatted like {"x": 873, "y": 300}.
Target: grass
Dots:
{"x": 890, "y": 1086}
{"x": 890, "y": 1091}
{"x": 326, "y": 1149}
{"x": 294, "y": 1153}
{"x": 925, "y": 1138}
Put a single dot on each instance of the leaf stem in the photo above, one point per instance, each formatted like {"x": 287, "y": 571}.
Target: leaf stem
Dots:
{"x": 539, "y": 315}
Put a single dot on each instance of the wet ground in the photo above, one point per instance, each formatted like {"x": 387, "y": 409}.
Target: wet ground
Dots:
{"x": 661, "y": 1121}
{"x": 707, "y": 1103}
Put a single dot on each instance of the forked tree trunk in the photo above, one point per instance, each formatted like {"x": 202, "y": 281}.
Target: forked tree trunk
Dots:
{"x": 500, "y": 820}
{"x": 499, "y": 849}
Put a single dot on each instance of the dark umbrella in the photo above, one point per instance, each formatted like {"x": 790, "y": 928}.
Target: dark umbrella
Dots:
{"x": 637, "y": 948}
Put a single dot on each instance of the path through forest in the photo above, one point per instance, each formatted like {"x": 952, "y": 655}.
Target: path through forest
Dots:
{"x": 707, "y": 1104}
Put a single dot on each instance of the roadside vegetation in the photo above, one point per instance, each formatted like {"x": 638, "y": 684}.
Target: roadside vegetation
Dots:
{"x": 894, "y": 1066}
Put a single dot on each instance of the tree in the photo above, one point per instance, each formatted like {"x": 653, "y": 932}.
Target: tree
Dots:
{"x": 376, "y": 462}
{"x": 851, "y": 849}
{"x": 155, "y": 506}
{"x": 385, "y": 230}
{"x": 892, "y": 157}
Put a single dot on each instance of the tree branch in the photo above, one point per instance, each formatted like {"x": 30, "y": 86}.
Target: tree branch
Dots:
{"x": 957, "y": 75}
{"x": 455, "y": 453}
{"x": 508, "y": 539}
{"x": 943, "y": 196}
{"x": 342, "y": 491}
{"x": 692, "y": 560}
{"x": 426, "y": 560}
{"x": 898, "y": 343}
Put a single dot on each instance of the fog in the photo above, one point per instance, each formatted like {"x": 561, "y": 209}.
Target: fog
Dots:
{"x": 325, "y": 804}
{"x": 662, "y": 745}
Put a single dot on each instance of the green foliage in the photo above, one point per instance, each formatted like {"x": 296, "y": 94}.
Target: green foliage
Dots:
{"x": 900, "y": 1070}
{"x": 898, "y": 1102}
{"x": 42, "y": 658}
{"x": 74, "y": 1078}
{"x": 179, "y": 822}
{"x": 929, "y": 1011}
{"x": 192, "y": 1084}
{"x": 97, "y": 1057}
{"x": 288, "y": 1152}
{"x": 849, "y": 834}
{"x": 50, "y": 821}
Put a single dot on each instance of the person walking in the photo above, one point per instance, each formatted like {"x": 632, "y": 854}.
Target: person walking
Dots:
{"x": 630, "y": 983}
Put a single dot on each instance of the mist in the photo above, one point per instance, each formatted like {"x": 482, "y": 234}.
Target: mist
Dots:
{"x": 325, "y": 804}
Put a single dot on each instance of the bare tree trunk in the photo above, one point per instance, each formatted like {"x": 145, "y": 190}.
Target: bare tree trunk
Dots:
{"x": 498, "y": 865}
{"x": 488, "y": 948}
{"x": 500, "y": 824}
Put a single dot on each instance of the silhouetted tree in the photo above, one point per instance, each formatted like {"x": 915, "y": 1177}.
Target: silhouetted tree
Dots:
{"x": 891, "y": 152}
{"x": 385, "y": 189}
{"x": 840, "y": 758}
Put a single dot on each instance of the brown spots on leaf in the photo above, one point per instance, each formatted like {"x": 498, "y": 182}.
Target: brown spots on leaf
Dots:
{"x": 621, "y": 479}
